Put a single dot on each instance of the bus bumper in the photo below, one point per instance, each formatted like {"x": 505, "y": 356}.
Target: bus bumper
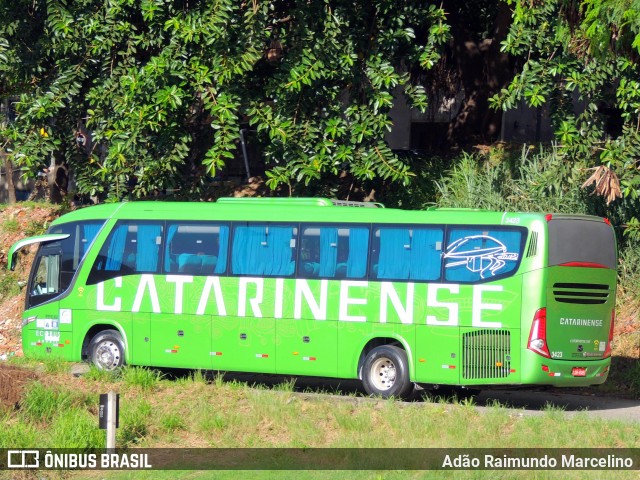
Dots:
{"x": 563, "y": 373}
{"x": 39, "y": 343}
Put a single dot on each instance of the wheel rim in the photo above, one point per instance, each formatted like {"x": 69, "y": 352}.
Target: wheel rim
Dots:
{"x": 383, "y": 373}
{"x": 107, "y": 355}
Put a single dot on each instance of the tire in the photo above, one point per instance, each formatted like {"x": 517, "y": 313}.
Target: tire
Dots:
{"x": 106, "y": 350}
{"x": 385, "y": 372}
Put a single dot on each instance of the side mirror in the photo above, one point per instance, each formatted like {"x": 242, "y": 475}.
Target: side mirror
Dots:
{"x": 12, "y": 256}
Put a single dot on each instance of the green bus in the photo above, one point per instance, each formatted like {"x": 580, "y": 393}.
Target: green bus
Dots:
{"x": 315, "y": 287}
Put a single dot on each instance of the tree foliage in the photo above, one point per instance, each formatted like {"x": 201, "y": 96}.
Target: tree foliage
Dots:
{"x": 581, "y": 59}
{"x": 160, "y": 89}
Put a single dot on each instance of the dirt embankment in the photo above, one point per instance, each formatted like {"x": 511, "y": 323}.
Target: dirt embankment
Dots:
{"x": 16, "y": 222}
{"x": 12, "y": 383}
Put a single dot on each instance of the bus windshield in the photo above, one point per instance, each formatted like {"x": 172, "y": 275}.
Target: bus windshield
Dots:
{"x": 57, "y": 261}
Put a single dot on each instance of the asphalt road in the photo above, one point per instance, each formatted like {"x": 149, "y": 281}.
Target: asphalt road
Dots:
{"x": 534, "y": 402}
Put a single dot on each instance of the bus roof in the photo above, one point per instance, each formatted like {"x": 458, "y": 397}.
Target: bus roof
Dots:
{"x": 290, "y": 209}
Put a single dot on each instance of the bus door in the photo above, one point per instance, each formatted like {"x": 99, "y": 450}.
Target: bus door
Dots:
{"x": 46, "y": 284}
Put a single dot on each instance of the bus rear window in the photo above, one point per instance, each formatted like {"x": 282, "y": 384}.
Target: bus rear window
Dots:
{"x": 579, "y": 240}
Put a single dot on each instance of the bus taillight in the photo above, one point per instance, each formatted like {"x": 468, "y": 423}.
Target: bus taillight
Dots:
{"x": 607, "y": 350}
{"x": 538, "y": 335}
{"x": 583, "y": 264}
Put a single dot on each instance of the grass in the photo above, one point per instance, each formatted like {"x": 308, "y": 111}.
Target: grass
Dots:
{"x": 144, "y": 378}
{"x": 60, "y": 411}
{"x": 34, "y": 228}
{"x": 10, "y": 226}
{"x": 98, "y": 375}
{"x": 135, "y": 421}
{"x": 9, "y": 285}
{"x": 42, "y": 404}
{"x": 76, "y": 428}
{"x": 42, "y": 365}
{"x": 236, "y": 415}
{"x": 18, "y": 432}
{"x": 172, "y": 422}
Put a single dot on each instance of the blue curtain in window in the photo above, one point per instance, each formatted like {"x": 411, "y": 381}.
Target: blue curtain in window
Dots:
{"x": 168, "y": 267}
{"x": 249, "y": 246}
{"x": 239, "y": 247}
{"x": 358, "y": 249}
{"x": 89, "y": 233}
{"x": 395, "y": 253}
{"x": 279, "y": 252}
{"x": 328, "y": 251}
{"x": 425, "y": 258}
{"x": 116, "y": 248}
{"x": 221, "y": 265}
{"x": 148, "y": 248}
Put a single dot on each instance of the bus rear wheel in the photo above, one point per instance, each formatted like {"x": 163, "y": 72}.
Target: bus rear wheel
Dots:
{"x": 106, "y": 350}
{"x": 385, "y": 372}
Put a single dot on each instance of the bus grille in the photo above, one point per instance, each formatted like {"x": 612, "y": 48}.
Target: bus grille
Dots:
{"x": 486, "y": 354}
{"x": 582, "y": 293}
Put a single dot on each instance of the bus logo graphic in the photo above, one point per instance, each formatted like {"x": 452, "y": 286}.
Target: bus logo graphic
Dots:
{"x": 23, "y": 459}
{"x": 480, "y": 253}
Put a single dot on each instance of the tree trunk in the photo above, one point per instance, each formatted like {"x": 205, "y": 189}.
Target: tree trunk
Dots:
{"x": 8, "y": 167}
{"x": 58, "y": 178}
{"x": 8, "y": 171}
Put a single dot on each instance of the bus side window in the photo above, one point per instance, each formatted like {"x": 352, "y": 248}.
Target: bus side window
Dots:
{"x": 358, "y": 250}
{"x": 403, "y": 253}
{"x": 130, "y": 248}
{"x": 264, "y": 250}
{"x": 309, "y": 260}
{"x": 334, "y": 252}
{"x": 196, "y": 248}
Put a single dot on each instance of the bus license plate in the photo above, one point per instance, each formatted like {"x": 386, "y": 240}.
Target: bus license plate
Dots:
{"x": 579, "y": 371}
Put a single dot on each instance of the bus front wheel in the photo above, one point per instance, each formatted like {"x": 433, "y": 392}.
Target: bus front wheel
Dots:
{"x": 385, "y": 372}
{"x": 106, "y": 350}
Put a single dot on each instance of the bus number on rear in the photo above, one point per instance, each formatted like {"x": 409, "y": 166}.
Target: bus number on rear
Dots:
{"x": 556, "y": 354}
